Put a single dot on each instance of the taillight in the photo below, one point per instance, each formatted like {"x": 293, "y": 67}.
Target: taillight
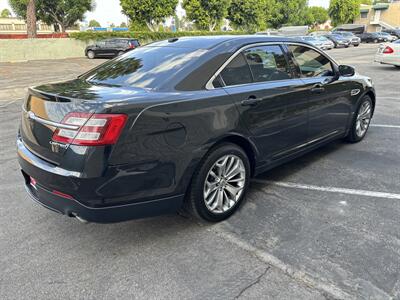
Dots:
{"x": 388, "y": 50}
{"x": 131, "y": 46}
{"x": 94, "y": 129}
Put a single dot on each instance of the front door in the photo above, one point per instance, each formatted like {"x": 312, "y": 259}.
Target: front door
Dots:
{"x": 262, "y": 85}
{"x": 329, "y": 97}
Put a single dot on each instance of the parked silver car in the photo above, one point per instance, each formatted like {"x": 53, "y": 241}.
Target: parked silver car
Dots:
{"x": 327, "y": 44}
{"x": 312, "y": 40}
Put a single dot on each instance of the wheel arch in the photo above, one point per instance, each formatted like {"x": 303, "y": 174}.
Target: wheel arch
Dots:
{"x": 372, "y": 95}
{"x": 248, "y": 147}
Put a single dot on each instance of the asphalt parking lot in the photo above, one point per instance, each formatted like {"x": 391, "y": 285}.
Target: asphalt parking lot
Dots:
{"x": 325, "y": 226}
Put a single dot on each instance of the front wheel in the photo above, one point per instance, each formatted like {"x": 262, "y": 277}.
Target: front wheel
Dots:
{"x": 361, "y": 120}
{"x": 219, "y": 185}
{"x": 91, "y": 54}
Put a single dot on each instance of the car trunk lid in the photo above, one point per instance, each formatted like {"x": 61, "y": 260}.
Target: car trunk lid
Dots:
{"x": 46, "y": 108}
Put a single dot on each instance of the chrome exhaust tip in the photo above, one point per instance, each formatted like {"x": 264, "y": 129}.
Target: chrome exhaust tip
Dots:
{"x": 80, "y": 219}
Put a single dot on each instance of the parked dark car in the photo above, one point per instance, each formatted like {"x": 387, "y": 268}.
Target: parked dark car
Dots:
{"x": 355, "y": 40}
{"x": 184, "y": 124}
{"x": 372, "y": 37}
{"x": 395, "y": 32}
{"x": 111, "y": 48}
{"x": 338, "y": 40}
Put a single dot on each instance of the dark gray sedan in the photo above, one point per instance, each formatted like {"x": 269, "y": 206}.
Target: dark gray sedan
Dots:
{"x": 184, "y": 124}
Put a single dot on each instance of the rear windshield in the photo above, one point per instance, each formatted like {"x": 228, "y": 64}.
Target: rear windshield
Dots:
{"x": 145, "y": 67}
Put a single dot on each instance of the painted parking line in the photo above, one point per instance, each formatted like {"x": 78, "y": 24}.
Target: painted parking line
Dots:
{"x": 329, "y": 189}
{"x": 385, "y": 126}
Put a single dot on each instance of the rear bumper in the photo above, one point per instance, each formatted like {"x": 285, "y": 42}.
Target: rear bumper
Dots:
{"x": 112, "y": 214}
{"x": 387, "y": 59}
{"x": 93, "y": 208}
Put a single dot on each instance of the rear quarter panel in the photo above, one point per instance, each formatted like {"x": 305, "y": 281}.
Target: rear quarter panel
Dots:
{"x": 167, "y": 140}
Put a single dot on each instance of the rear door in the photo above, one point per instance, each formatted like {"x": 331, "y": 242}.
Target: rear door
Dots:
{"x": 112, "y": 47}
{"x": 329, "y": 97}
{"x": 101, "y": 49}
{"x": 261, "y": 83}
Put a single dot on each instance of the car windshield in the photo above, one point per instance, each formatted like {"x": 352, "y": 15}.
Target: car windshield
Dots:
{"x": 145, "y": 67}
{"x": 346, "y": 33}
{"x": 308, "y": 38}
{"x": 322, "y": 38}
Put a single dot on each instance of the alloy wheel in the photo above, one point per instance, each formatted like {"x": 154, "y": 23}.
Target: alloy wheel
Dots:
{"x": 224, "y": 184}
{"x": 363, "y": 118}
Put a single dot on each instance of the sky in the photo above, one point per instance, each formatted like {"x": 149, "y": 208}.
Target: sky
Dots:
{"x": 109, "y": 11}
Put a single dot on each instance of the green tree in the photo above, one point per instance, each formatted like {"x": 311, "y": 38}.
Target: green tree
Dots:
{"x": 320, "y": 15}
{"x": 5, "y": 13}
{"x": 248, "y": 15}
{"x": 123, "y": 25}
{"x": 206, "y": 14}
{"x": 65, "y": 13}
{"x": 149, "y": 12}
{"x": 343, "y": 11}
{"x": 291, "y": 12}
{"x": 94, "y": 23}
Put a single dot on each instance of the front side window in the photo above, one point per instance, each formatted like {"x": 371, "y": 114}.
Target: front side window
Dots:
{"x": 237, "y": 72}
{"x": 311, "y": 62}
{"x": 267, "y": 63}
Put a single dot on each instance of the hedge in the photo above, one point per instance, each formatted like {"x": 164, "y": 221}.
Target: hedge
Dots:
{"x": 144, "y": 36}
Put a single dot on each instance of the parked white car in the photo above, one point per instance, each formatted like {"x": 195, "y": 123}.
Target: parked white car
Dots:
{"x": 389, "y": 54}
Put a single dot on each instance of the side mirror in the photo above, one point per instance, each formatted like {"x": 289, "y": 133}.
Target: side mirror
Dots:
{"x": 346, "y": 71}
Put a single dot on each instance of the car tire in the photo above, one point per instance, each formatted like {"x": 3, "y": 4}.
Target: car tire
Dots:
{"x": 90, "y": 54}
{"x": 361, "y": 120}
{"x": 356, "y": 45}
{"x": 347, "y": 46}
{"x": 210, "y": 196}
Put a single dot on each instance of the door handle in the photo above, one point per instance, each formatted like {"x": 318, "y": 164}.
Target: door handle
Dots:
{"x": 251, "y": 101}
{"x": 317, "y": 89}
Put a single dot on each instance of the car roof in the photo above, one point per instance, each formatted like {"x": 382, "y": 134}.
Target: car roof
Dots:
{"x": 209, "y": 42}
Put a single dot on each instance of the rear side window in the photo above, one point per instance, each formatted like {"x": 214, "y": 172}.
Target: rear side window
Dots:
{"x": 268, "y": 63}
{"x": 311, "y": 62}
{"x": 145, "y": 67}
{"x": 237, "y": 72}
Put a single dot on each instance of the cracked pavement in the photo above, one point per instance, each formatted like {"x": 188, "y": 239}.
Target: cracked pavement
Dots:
{"x": 282, "y": 244}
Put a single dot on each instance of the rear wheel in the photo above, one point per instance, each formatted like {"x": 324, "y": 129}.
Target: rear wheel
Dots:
{"x": 361, "y": 121}
{"x": 91, "y": 54}
{"x": 220, "y": 184}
